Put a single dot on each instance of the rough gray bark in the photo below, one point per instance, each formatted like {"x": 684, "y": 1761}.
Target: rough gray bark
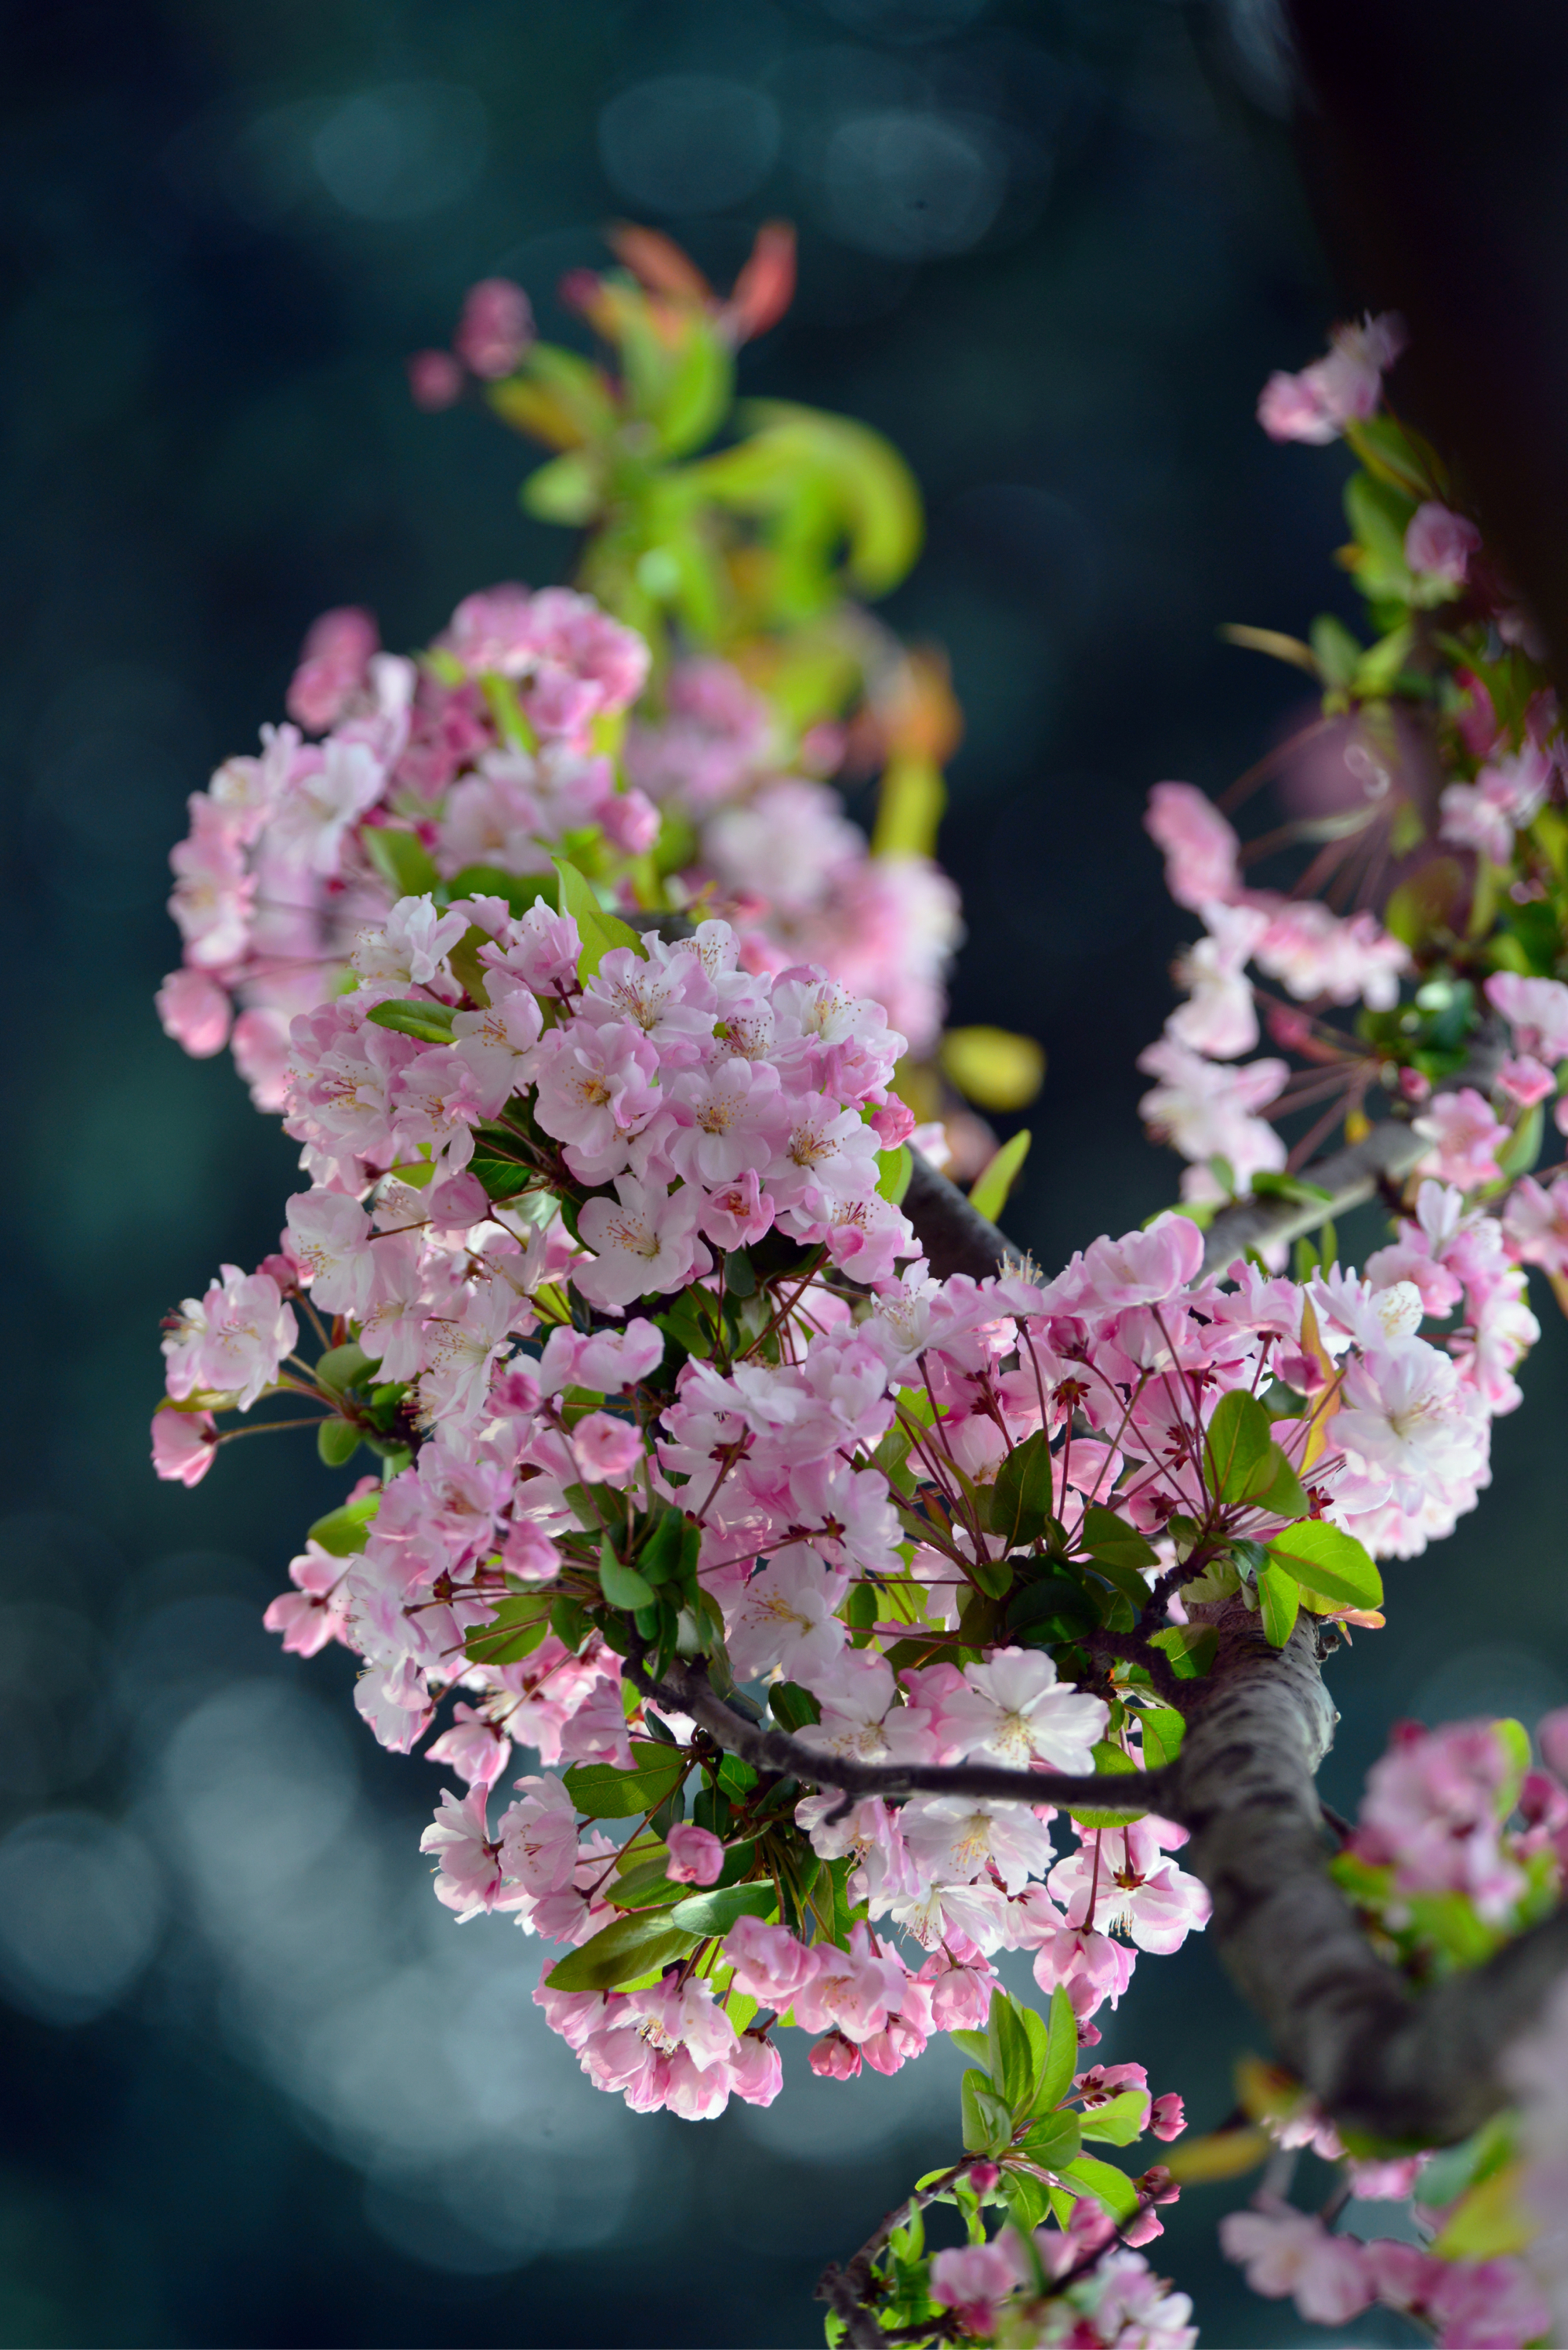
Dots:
{"x": 956, "y": 1237}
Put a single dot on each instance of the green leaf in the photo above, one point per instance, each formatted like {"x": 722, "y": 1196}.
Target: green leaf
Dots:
{"x": 343, "y": 1531}
{"x": 986, "y": 2120}
{"x": 400, "y": 859}
{"x": 663, "y": 1556}
{"x": 431, "y": 1022}
{"x": 1238, "y": 1438}
{"x": 1028, "y": 2200}
{"x": 520, "y": 890}
{"x": 598, "y": 931}
{"x": 1191, "y": 1647}
{"x": 1326, "y": 1562}
{"x": 569, "y": 489}
{"x": 336, "y": 1441}
{"x": 1012, "y": 2059}
{"x": 1106, "y": 1537}
{"x": 1274, "y": 1485}
{"x": 1020, "y": 1499}
{"x": 634, "y": 1946}
{"x": 503, "y": 1179}
{"x": 697, "y": 392}
{"x": 645, "y": 1887}
{"x": 894, "y": 1169}
{"x": 1338, "y": 652}
{"x": 1106, "y": 2183}
{"x": 343, "y": 1367}
{"x": 622, "y": 1586}
{"x": 976, "y": 2046}
{"x": 1520, "y": 1151}
{"x": 1062, "y": 2057}
{"x": 1054, "y": 2142}
{"x": 603, "y": 1792}
{"x": 1163, "y": 1730}
{"x": 989, "y": 1194}
{"x": 715, "y": 1912}
{"x": 792, "y": 1706}
{"x": 1279, "y": 1598}
{"x": 519, "y": 1627}
{"x": 1114, "y": 1764}
{"x": 1125, "y": 2118}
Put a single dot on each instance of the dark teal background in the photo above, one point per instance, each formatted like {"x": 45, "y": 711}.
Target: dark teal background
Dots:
{"x": 317, "y": 2113}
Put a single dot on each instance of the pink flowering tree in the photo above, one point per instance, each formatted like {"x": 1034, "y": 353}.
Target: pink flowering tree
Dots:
{"x": 809, "y": 1597}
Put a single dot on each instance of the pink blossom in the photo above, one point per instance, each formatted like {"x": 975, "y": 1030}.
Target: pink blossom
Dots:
{"x": 696, "y": 1855}
{"x": 1465, "y": 1138}
{"x": 1346, "y": 958}
{"x": 537, "y": 1837}
{"x": 1200, "y": 847}
{"x": 184, "y": 1444}
{"x": 1535, "y": 1009}
{"x": 1432, "y": 1812}
{"x": 1206, "y": 1110}
{"x": 853, "y": 1991}
{"x": 496, "y": 328}
{"x": 756, "y": 2073}
{"x": 232, "y": 1340}
{"x": 195, "y": 1011}
{"x": 1526, "y": 1080}
{"x": 1168, "y": 2115}
{"x": 213, "y": 893}
{"x": 971, "y": 2280}
{"x": 334, "y": 668}
{"x": 1341, "y": 389}
{"x": 784, "y": 1616}
{"x": 738, "y": 1213}
{"x": 1016, "y": 1710}
{"x": 956, "y": 1837}
{"x": 1121, "y": 1878}
{"x": 644, "y": 1242}
{"x": 470, "y": 1878}
{"x": 435, "y": 379}
{"x": 541, "y": 950}
{"x": 607, "y": 1449}
{"x": 771, "y": 1966}
{"x": 1291, "y": 2253}
{"x": 1438, "y": 543}
{"x": 595, "y": 1091}
{"x": 1220, "y": 1018}
{"x": 476, "y": 1747}
{"x": 313, "y": 1613}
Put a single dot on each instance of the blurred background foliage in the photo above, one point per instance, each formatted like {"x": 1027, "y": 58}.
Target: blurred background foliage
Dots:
{"x": 256, "y": 2088}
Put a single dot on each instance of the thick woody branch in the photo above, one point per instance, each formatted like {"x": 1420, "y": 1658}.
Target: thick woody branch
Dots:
{"x": 954, "y": 1235}
{"x": 1351, "y": 1176}
{"x": 1424, "y": 2070}
{"x": 687, "y": 1689}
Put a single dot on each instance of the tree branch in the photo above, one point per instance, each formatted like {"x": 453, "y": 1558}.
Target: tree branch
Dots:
{"x": 1352, "y": 1176}
{"x": 954, "y": 1235}
{"x": 686, "y": 1688}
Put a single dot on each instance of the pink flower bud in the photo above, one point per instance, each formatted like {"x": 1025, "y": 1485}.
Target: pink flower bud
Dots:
{"x": 1167, "y": 2117}
{"x": 834, "y": 2058}
{"x": 893, "y": 1123}
{"x": 982, "y": 2176}
{"x": 435, "y": 379}
{"x": 696, "y": 1855}
{"x": 496, "y": 328}
{"x": 606, "y": 1450}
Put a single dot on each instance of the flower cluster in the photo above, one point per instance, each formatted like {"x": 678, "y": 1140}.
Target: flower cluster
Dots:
{"x": 1467, "y": 2304}
{"x": 602, "y": 1257}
